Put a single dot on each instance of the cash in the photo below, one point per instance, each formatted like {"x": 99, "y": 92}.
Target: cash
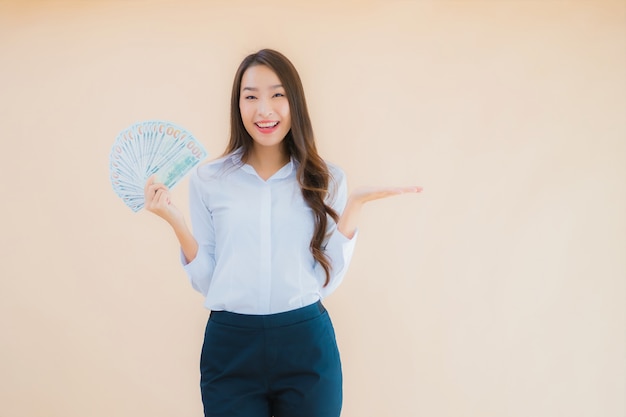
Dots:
{"x": 152, "y": 147}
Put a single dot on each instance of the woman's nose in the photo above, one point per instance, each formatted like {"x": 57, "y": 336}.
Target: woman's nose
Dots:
{"x": 265, "y": 108}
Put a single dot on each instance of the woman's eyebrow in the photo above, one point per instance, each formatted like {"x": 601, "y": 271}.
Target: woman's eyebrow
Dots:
{"x": 273, "y": 87}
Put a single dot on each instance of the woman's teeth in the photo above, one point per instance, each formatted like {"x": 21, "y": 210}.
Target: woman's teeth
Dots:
{"x": 269, "y": 124}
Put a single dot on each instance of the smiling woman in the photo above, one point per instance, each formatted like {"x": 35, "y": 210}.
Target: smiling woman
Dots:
{"x": 264, "y": 111}
{"x": 269, "y": 347}
{"x": 500, "y": 293}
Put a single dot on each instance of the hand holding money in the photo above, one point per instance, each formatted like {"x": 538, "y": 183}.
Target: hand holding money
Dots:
{"x": 151, "y": 148}
{"x": 158, "y": 201}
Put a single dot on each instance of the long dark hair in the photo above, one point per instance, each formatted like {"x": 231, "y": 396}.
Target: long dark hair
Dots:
{"x": 313, "y": 175}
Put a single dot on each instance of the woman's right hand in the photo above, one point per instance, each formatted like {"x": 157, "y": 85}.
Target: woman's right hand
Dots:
{"x": 158, "y": 201}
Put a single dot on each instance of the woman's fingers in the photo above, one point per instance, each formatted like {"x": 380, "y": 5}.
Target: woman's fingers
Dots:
{"x": 411, "y": 189}
{"x": 156, "y": 196}
{"x": 365, "y": 194}
{"x": 162, "y": 197}
{"x": 158, "y": 200}
{"x": 149, "y": 182}
{"x": 151, "y": 189}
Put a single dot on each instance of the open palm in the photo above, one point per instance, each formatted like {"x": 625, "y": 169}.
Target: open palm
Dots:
{"x": 365, "y": 194}
{"x": 349, "y": 218}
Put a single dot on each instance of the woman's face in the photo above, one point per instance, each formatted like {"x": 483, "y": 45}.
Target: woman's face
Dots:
{"x": 264, "y": 107}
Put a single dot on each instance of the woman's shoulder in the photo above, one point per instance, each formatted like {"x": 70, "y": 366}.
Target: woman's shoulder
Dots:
{"x": 337, "y": 185}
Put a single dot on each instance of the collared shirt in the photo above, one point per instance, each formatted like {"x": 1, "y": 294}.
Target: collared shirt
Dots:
{"x": 254, "y": 237}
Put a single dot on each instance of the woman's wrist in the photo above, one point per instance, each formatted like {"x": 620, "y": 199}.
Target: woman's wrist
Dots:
{"x": 350, "y": 217}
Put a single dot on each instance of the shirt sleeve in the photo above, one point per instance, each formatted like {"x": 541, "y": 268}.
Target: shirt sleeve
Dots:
{"x": 338, "y": 247}
{"x": 200, "y": 269}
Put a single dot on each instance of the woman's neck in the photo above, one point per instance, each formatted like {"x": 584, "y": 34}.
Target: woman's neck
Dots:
{"x": 266, "y": 161}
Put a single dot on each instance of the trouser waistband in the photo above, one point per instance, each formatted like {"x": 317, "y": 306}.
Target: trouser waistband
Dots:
{"x": 270, "y": 320}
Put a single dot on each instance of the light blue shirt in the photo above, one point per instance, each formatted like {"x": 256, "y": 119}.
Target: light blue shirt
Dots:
{"x": 254, "y": 238}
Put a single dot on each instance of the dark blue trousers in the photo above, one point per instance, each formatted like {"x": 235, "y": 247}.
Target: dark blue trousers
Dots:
{"x": 281, "y": 365}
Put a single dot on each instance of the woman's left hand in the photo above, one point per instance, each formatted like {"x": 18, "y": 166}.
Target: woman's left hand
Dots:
{"x": 365, "y": 194}
{"x": 350, "y": 216}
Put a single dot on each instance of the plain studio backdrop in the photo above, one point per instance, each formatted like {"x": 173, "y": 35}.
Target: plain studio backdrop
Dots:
{"x": 499, "y": 291}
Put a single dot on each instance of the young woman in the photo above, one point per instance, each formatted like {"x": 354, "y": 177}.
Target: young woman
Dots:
{"x": 274, "y": 231}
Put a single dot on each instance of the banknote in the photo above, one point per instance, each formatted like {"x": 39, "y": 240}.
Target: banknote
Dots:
{"x": 152, "y": 147}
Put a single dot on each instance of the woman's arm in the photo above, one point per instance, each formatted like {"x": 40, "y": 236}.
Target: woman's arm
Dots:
{"x": 349, "y": 218}
{"x": 157, "y": 201}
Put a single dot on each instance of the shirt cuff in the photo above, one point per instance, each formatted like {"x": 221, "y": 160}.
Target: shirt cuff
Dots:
{"x": 199, "y": 270}
{"x": 340, "y": 250}
{"x": 340, "y": 241}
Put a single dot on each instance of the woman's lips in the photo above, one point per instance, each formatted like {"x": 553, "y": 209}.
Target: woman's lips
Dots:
{"x": 266, "y": 126}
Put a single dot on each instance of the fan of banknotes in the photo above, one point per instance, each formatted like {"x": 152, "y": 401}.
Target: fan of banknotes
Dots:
{"x": 152, "y": 147}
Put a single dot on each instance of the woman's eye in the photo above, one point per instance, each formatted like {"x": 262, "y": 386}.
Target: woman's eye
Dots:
{"x": 250, "y": 97}
{"x": 279, "y": 95}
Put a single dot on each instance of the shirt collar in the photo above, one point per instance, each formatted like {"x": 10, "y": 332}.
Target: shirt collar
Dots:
{"x": 284, "y": 172}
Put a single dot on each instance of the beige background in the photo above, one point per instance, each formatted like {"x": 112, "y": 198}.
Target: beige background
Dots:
{"x": 500, "y": 291}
